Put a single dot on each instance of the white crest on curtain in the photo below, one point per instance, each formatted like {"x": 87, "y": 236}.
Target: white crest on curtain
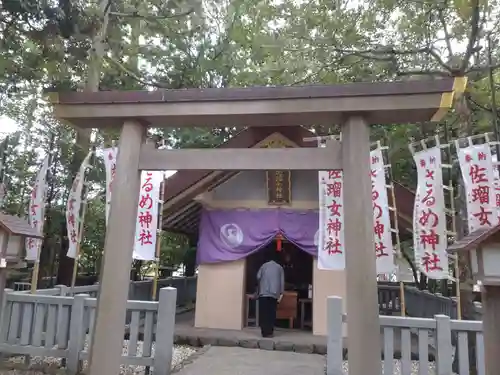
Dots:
{"x": 231, "y": 235}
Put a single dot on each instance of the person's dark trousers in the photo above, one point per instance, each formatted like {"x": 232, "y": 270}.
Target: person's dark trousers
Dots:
{"x": 267, "y": 315}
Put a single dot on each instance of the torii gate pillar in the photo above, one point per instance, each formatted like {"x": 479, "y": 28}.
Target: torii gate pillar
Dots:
{"x": 363, "y": 339}
{"x": 105, "y": 355}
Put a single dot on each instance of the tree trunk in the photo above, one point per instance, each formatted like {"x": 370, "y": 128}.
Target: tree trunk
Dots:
{"x": 190, "y": 266}
{"x": 422, "y": 283}
{"x": 190, "y": 258}
{"x": 135, "y": 271}
{"x": 66, "y": 264}
{"x": 413, "y": 267}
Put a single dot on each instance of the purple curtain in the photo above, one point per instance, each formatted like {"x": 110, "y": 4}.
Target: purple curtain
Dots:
{"x": 300, "y": 228}
{"x": 227, "y": 235}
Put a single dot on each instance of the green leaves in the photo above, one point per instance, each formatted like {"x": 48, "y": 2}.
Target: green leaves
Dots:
{"x": 463, "y": 8}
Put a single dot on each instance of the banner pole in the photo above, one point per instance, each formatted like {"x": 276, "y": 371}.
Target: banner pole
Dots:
{"x": 158, "y": 242}
{"x": 457, "y": 264}
{"x": 36, "y": 270}
{"x": 398, "y": 249}
{"x": 402, "y": 299}
{"x": 451, "y": 190}
{"x": 78, "y": 243}
{"x": 36, "y": 266}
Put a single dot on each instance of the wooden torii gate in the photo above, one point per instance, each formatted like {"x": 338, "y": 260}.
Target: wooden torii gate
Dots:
{"x": 354, "y": 106}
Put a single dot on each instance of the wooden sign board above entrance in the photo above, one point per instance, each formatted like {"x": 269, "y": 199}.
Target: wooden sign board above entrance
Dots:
{"x": 278, "y": 182}
{"x": 279, "y": 188}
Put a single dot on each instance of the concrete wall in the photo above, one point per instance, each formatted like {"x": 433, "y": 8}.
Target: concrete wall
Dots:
{"x": 325, "y": 284}
{"x": 251, "y": 186}
{"x": 220, "y": 295}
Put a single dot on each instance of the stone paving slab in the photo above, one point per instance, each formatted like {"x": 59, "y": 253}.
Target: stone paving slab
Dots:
{"x": 283, "y": 340}
{"x": 241, "y": 361}
{"x": 293, "y": 340}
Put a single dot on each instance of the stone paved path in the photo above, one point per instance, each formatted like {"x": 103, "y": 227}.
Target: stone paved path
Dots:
{"x": 239, "y": 361}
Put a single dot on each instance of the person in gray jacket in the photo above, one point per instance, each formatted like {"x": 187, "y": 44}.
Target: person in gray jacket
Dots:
{"x": 271, "y": 285}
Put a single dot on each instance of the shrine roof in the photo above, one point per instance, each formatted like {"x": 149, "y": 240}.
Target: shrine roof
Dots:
{"x": 181, "y": 211}
{"x": 18, "y": 226}
{"x": 474, "y": 239}
{"x": 379, "y": 102}
{"x": 259, "y": 92}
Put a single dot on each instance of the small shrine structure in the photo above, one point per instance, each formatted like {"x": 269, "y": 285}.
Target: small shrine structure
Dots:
{"x": 226, "y": 275}
{"x": 14, "y": 231}
{"x": 483, "y": 248}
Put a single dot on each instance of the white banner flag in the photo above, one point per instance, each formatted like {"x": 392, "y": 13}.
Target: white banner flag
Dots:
{"x": 110, "y": 166}
{"x": 73, "y": 219}
{"x": 147, "y": 215}
{"x": 37, "y": 211}
{"x": 2, "y": 193}
{"x": 331, "y": 249}
{"x": 476, "y": 164}
{"x": 381, "y": 217}
{"x": 496, "y": 187}
{"x": 429, "y": 216}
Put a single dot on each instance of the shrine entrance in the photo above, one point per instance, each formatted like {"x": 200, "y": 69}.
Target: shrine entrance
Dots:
{"x": 295, "y": 311}
{"x": 353, "y": 106}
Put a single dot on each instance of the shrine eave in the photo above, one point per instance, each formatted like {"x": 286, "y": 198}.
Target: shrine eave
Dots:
{"x": 474, "y": 239}
{"x": 184, "y": 215}
{"x": 182, "y": 211}
{"x": 378, "y": 102}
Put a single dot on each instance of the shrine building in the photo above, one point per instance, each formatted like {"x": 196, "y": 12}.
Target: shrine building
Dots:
{"x": 236, "y": 218}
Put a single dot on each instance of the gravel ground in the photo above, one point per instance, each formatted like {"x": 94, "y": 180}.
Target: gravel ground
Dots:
{"x": 397, "y": 368}
{"x": 50, "y": 365}
{"x": 240, "y": 361}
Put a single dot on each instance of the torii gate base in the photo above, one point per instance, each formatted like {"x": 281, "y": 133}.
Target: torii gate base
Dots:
{"x": 355, "y": 106}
